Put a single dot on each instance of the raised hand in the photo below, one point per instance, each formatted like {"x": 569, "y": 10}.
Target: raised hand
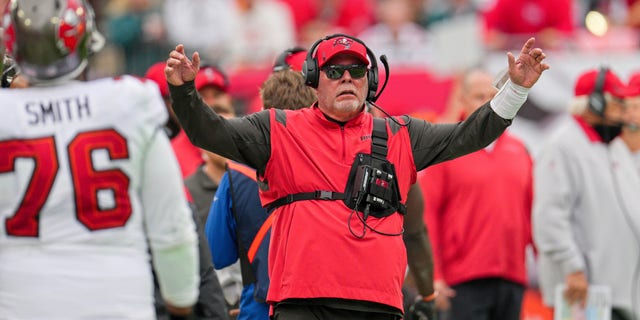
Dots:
{"x": 527, "y": 68}
{"x": 179, "y": 68}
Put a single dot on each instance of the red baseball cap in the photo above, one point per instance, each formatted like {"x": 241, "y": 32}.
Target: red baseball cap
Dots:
{"x": 331, "y": 47}
{"x": 211, "y": 76}
{"x": 633, "y": 88}
{"x": 295, "y": 60}
{"x": 586, "y": 83}
{"x": 290, "y": 59}
{"x": 155, "y": 73}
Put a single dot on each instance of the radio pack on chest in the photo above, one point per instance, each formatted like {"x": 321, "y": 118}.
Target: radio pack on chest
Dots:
{"x": 372, "y": 187}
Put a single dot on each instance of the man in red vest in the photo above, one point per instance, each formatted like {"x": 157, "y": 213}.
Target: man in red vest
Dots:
{"x": 336, "y": 178}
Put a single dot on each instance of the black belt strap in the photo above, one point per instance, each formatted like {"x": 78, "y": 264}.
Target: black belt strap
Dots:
{"x": 378, "y": 148}
{"x": 379, "y": 138}
{"x": 315, "y": 195}
{"x": 402, "y": 208}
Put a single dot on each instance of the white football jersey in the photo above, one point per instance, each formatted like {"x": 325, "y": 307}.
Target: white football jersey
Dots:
{"x": 87, "y": 177}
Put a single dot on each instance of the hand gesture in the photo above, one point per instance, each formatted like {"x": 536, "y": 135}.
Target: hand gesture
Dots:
{"x": 527, "y": 68}
{"x": 179, "y": 69}
{"x": 577, "y": 287}
{"x": 445, "y": 293}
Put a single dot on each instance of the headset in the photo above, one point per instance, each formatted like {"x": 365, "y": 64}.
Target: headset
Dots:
{"x": 281, "y": 61}
{"x": 597, "y": 102}
{"x": 311, "y": 72}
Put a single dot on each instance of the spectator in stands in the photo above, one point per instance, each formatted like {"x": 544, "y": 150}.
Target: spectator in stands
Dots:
{"x": 351, "y": 16}
{"x": 338, "y": 16}
{"x": 633, "y": 14}
{"x": 205, "y": 25}
{"x": 303, "y": 11}
{"x": 510, "y": 21}
{"x": 265, "y": 29}
{"x": 136, "y": 28}
{"x": 403, "y": 41}
{"x": 441, "y": 10}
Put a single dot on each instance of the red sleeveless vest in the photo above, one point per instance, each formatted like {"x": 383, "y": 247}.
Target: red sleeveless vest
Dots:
{"x": 313, "y": 252}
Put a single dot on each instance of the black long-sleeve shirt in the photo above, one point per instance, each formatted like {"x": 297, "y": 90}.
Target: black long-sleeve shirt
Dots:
{"x": 246, "y": 139}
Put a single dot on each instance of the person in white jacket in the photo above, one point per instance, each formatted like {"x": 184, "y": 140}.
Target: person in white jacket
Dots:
{"x": 584, "y": 224}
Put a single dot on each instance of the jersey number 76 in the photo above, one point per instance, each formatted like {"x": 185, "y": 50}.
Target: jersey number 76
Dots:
{"x": 87, "y": 181}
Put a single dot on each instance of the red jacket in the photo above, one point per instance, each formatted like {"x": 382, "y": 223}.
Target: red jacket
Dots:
{"x": 340, "y": 266}
{"x": 478, "y": 211}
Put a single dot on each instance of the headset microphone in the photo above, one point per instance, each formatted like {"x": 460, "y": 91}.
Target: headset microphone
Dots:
{"x": 383, "y": 59}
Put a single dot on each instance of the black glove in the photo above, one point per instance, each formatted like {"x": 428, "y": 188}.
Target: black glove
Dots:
{"x": 423, "y": 310}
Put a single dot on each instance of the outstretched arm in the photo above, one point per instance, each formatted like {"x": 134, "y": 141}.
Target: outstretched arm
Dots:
{"x": 434, "y": 143}
{"x": 244, "y": 140}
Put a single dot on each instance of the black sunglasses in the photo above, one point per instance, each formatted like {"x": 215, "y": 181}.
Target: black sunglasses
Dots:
{"x": 335, "y": 71}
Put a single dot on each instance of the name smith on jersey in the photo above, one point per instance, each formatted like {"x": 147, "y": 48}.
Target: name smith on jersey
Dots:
{"x": 58, "y": 110}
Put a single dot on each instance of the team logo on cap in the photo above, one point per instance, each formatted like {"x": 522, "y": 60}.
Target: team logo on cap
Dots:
{"x": 345, "y": 42}
{"x": 210, "y": 74}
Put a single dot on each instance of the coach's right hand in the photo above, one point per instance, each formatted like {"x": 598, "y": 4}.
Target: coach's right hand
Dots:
{"x": 179, "y": 68}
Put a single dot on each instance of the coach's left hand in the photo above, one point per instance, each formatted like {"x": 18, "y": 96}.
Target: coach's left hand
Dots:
{"x": 527, "y": 68}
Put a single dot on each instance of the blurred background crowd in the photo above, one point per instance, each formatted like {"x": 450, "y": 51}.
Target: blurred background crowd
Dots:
{"x": 430, "y": 44}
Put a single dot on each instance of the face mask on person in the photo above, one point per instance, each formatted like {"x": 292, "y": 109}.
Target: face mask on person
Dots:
{"x": 607, "y": 132}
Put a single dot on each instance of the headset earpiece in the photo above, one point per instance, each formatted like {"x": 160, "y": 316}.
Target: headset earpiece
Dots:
{"x": 373, "y": 80}
{"x": 311, "y": 72}
{"x": 597, "y": 102}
